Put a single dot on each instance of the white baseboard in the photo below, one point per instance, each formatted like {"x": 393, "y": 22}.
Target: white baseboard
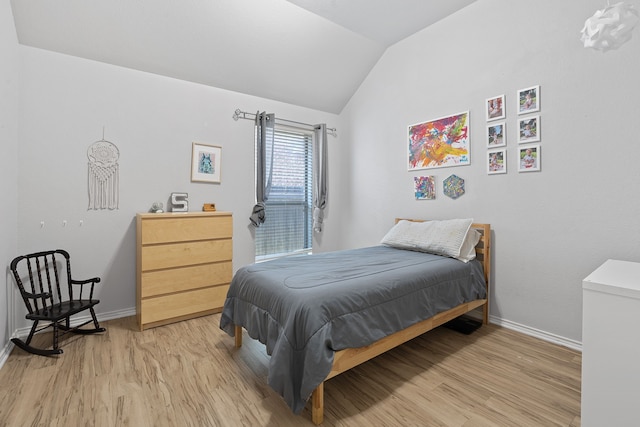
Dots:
{"x": 118, "y": 314}
{"x": 6, "y": 351}
{"x": 537, "y": 333}
{"x": 102, "y": 317}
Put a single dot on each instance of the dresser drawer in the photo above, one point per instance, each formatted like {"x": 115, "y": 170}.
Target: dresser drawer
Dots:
{"x": 160, "y": 282}
{"x": 177, "y": 229}
{"x": 182, "y": 304}
{"x": 185, "y": 254}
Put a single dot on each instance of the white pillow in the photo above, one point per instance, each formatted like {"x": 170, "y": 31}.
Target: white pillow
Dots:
{"x": 468, "y": 249}
{"x": 439, "y": 237}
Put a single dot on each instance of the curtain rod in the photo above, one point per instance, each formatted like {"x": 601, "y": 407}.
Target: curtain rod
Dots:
{"x": 239, "y": 114}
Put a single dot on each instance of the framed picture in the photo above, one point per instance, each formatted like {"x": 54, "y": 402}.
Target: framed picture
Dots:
{"x": 453, "y": 186}
{"x": 439, "y": 143}
{"x": 496, "y": 161}
{"x": 528, "y": 129}
{"x": 496, "y": 135}
{"x": 529, "y": 158}
{"x": 425, "y": 187}
{"x": 529, "y": 100}
{"x": 495, "y": 108}
{"x": 205, "y": 162}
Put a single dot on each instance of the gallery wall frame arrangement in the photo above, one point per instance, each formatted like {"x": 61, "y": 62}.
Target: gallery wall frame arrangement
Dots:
{"x": 529, "y": 158}
{"x": 496, "y": 135}
{"x": 528, "y": 100}
{"x": 440, "y": 142}
{"x": 528, "y": 129}
{"x": 497, "y": 161}
{"x": 495, "y": 108}
{"x": 444, "y": 142}
{"x": 453, "y": 186}
{"x": 205, "y": 162}
{"x": 425, "y": 187}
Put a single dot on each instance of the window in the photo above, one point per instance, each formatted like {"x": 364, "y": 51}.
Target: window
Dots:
{"x": 289, "y": 208}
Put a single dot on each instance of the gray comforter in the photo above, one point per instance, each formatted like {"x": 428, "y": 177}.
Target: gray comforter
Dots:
{"x": 305, "y": 308}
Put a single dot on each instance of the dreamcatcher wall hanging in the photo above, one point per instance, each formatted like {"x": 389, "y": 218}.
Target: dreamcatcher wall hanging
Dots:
{"x": 103, "y": 175}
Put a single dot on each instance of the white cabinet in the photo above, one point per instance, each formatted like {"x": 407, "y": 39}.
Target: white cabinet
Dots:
{"x": 611, "y": 345}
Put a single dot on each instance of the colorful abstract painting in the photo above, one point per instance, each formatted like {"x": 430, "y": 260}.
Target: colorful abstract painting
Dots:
{"x": 453, "y": 186}
{"x": 440, "y": 142}
{"x": 425, "y": 187}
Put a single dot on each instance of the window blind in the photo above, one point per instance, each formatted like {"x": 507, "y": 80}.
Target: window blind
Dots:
{"x": 288, "y": 210}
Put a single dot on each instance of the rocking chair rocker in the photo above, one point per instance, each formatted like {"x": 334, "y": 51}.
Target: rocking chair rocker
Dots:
{"x": 47, "y": 301}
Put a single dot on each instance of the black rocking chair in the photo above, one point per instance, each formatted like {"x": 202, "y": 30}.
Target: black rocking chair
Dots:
{"x": 47, "y": 301}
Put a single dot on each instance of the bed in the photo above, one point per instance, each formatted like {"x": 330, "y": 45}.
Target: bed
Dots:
{"x": 323, "y": 314}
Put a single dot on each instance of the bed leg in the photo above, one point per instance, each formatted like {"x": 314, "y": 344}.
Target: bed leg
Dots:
{"x": 485, "y": 313}
{"x": 238, "y": 336}
{"x": 317, "y": 404}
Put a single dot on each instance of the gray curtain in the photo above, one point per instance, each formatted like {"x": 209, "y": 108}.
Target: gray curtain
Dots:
{"x": 264, "y": 164}
{"x": 319, "y": 175}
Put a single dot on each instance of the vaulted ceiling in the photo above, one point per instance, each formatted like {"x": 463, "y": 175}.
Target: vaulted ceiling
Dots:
{"x": 311, "y": 53}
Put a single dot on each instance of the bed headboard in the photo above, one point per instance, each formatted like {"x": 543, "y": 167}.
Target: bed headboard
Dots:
{"x": 483, "y": 248}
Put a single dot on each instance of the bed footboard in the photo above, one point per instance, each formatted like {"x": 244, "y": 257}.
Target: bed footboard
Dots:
{"x": 348, "y": 358}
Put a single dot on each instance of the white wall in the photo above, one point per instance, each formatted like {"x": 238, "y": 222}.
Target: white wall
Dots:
{"x": 153, "y": 120}
{"x": 551, "y": 228}
{"x": 9, "y": 72}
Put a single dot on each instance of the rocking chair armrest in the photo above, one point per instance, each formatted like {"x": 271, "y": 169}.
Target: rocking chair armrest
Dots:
{"x": 83, "y": 282}
{"x": 92, "y": 281}
{"x": 36, "y": 296}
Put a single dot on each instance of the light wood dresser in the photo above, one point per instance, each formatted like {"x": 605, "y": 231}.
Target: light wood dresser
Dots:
{"x": 184, "y": 265}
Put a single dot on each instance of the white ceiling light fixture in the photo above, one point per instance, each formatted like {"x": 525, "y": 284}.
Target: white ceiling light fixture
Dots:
{"x": 610, "y": 27}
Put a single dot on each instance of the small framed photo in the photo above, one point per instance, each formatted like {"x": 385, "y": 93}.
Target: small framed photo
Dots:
{"x": 205, "y": 162}
{"x": 528, "y": 129}
{"x": 495, "y": 108}
{"x": 529, "y": 100}
{"x": 496, "y": 135}
{"x": 496, "y": 161}
{"x": 529, "y": 158}
{"x": 425, "y": 187}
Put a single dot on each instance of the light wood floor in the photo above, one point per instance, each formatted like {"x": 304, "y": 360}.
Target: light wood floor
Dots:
{"x": 189, "y": 374}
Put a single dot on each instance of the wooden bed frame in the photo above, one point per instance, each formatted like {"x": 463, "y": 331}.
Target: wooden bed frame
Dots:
{"x": 348, "y": 358}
